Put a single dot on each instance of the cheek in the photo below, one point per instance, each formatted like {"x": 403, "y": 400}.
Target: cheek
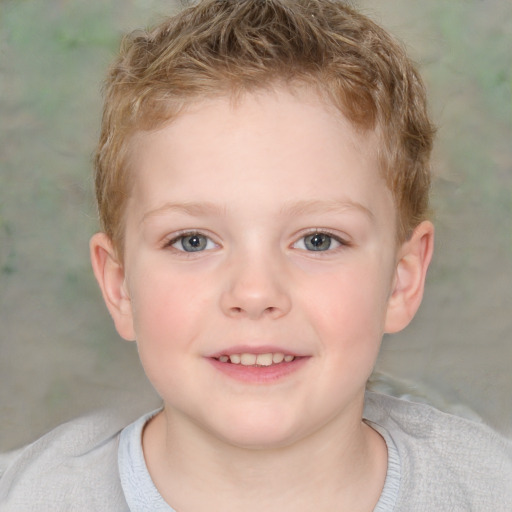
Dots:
{"x": 169, "y": 313}
{"x": 349, "y": 307}
{"x": 166, "y": 309}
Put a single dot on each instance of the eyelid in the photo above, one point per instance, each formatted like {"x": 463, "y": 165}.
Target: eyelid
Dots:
{"x": 342, "y": 240}
{"x": 175, "y": 237}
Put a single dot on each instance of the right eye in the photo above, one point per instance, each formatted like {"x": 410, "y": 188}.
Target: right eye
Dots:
{"x": 319, "y": 241}
{"x": 192, "y": 242}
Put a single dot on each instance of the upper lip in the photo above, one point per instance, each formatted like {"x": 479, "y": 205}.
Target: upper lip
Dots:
{"x": 257, "y": 349}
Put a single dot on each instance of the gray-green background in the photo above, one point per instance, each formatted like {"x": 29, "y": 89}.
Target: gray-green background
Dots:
{"x": 59, "y": 354}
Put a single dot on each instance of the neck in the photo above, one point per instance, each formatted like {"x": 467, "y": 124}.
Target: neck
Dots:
{"x": 341, "y": 468}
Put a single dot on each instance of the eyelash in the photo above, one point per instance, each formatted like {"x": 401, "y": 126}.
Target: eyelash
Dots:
{"x": 343, "y": 243}
{"x": 186, "y": 234}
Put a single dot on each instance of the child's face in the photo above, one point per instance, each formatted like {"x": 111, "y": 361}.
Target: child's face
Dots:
{"x": 258, "y": 228}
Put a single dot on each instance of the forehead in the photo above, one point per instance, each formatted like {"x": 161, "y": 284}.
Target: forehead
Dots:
{"x": 273, "y": 146}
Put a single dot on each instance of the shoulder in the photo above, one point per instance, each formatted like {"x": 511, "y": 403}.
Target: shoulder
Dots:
{"x": 75, "y": 463}
{"x": 445, "y": 461}
{"x": 421, "y": 424}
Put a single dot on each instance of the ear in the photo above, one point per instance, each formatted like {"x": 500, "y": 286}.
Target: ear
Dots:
{"x": 409, "y": 282}
{"x": 110, "y": 275}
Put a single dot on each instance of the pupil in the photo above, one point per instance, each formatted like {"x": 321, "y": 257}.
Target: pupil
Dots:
{"x": 194, "y": 243}
{"x": 318, "y": 242}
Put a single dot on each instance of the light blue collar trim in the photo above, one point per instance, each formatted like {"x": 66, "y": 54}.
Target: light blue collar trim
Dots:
{"x": 142, "y": 495}
{"x": 138, "y": 487}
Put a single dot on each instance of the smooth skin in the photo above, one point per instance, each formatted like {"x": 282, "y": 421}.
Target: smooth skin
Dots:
{"x": 261, "y": 222}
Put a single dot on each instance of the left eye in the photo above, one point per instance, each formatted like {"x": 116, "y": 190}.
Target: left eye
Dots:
{"x": 317, "y": 242}
{"x": 193, "y": 242}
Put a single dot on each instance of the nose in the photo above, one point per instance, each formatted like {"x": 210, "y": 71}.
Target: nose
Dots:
{"x": 256, "y": 288}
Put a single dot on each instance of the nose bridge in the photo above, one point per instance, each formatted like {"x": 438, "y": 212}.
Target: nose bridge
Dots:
{"x": 256, "y": 284}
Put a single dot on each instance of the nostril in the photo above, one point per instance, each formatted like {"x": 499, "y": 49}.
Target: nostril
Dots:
{"x": 243, "y": 301}
{"x": 236, "y": 310}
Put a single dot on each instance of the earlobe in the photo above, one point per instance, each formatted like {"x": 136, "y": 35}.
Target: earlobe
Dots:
{"x": 409, "y": 282}
{"x": 109, "y": 273}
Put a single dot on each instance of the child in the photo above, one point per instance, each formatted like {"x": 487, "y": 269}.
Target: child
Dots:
{"x": 262, "y": 179}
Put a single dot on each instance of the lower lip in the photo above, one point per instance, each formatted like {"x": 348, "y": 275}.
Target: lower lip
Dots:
{"x": 259, "y": 374}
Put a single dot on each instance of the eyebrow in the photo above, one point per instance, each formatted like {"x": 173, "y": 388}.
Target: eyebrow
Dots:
{"x": 326, "y": 206}
{"x": 189, "y": 208}
{"x": 295, "y": 208}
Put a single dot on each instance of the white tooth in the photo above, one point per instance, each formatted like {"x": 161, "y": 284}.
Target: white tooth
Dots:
{"x": 248, "y": 359}
{"x": 264, "y": 359}
{"x": 277, "y": 357}
{"x": 235, "y": 358}
{"x": 287, "y": 359}
{"x": 223, "y": 359}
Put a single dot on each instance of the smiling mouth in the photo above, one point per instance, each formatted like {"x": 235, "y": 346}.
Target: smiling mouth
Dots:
{"x": 247, "y": 359}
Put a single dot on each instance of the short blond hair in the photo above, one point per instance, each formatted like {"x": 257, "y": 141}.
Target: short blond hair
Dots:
{"x": 220, "y": 47}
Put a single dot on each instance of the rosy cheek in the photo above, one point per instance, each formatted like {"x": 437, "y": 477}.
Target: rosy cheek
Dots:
{"x": 154, "y": 307}
{"x": 343, "y": 304}
{"x": 171, "y": 310}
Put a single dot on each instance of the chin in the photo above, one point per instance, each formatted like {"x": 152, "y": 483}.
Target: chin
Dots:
{"x": 258, "y": 432}
{"x": 259, "y": 441}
